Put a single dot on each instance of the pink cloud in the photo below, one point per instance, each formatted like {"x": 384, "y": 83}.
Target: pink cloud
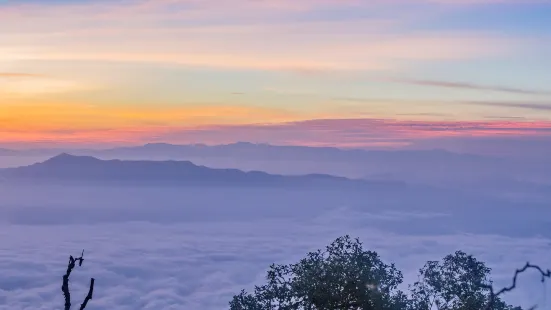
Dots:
{"x": 344, "y": 133}
{"x": 332, "y": 132}
{"x": 353, "y": 132}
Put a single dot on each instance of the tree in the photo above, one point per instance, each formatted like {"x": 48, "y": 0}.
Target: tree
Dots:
{"x": 347, "y": 277}
{"x": 459, "y": 282}
{"x": 344, "y": 276}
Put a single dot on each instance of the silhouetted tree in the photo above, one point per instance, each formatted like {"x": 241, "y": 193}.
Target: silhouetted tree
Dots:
{"x": 65, "y": 285}
{"x": 347, "y": 277}
{"x": 459, "y": 282}
{"x": 344, "y": 276}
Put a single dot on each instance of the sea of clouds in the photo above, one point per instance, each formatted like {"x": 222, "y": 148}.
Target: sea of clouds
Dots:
{"x": 195, "y": 248}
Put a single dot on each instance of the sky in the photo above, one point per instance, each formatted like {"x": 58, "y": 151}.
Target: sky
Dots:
{"x": 313, "y": 72}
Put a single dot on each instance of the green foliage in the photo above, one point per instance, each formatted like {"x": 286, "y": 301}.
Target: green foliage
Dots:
{"x": 344, "y": 276}
{"x": 456, "y": 283}
{"x": 347, "y": 277}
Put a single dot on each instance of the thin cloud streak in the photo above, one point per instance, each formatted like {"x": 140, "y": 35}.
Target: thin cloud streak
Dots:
{"x": 368, "y": 53}
{"x": 471, "y": 86}
{"x": 515, "y": 105}
{"x": 19, "y": 75}
{"x": 294, "y": 6}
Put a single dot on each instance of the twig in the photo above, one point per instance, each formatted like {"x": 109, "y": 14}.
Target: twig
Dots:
{"x": 493, "y": 296}
{"x": 65, "y": 285}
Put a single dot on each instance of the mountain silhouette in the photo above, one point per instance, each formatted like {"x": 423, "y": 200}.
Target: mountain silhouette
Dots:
{"x": 87, "y": 169}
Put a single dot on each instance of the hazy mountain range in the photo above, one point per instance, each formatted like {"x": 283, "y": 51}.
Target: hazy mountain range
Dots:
{"x": 418, "y": 166}
{"x": 87, "y": 169}
{"x": 251, "y": 150}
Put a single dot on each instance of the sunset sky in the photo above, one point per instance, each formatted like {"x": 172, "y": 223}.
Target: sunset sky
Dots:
{"x": 354, "y": 73}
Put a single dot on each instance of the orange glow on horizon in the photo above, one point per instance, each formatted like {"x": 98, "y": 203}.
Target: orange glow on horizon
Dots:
{"x": 54, "y": 117}
{"x": 89, "y": 125}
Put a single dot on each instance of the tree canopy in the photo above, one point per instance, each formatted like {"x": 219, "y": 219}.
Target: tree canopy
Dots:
{"x": 459, "y": 282}
{"x": 345, "y": 276}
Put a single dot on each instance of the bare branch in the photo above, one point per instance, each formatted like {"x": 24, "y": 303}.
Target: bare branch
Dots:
{"x": 65, "y": 285}
{"x": 89, "y": 296}
{"x": 493, "y": 295}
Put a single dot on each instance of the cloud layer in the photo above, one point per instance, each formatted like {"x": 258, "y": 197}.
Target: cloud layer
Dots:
{"x": 359, "y": 133}
{"x": 201, "y": 265}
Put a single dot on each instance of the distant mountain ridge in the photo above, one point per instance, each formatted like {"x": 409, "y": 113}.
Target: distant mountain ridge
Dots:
{"x": 267, "y": 151}
{"x": 272, "y": 151}
{"x": 429, "y": 166}
{"x": 88, "y": 169}
{"x": 8, "y": 152}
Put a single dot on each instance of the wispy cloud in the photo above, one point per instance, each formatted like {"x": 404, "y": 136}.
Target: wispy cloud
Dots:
{"x": 19, "y": 75}
{"x": 238, "y": 51}
{"x": 358, "y": 133}
{"x": 353, "y": 133}
{"x": 30, "y": 85}
{"x": 515, "y": 105}
{"x": 227, "y": 35}
{"x": 471, "y": 86}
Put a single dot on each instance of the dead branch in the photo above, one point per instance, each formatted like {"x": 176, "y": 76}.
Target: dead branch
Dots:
{"x": 65, "y": 285}
{"x": 493, "y": 295}
{"x": 89, "y": 296}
